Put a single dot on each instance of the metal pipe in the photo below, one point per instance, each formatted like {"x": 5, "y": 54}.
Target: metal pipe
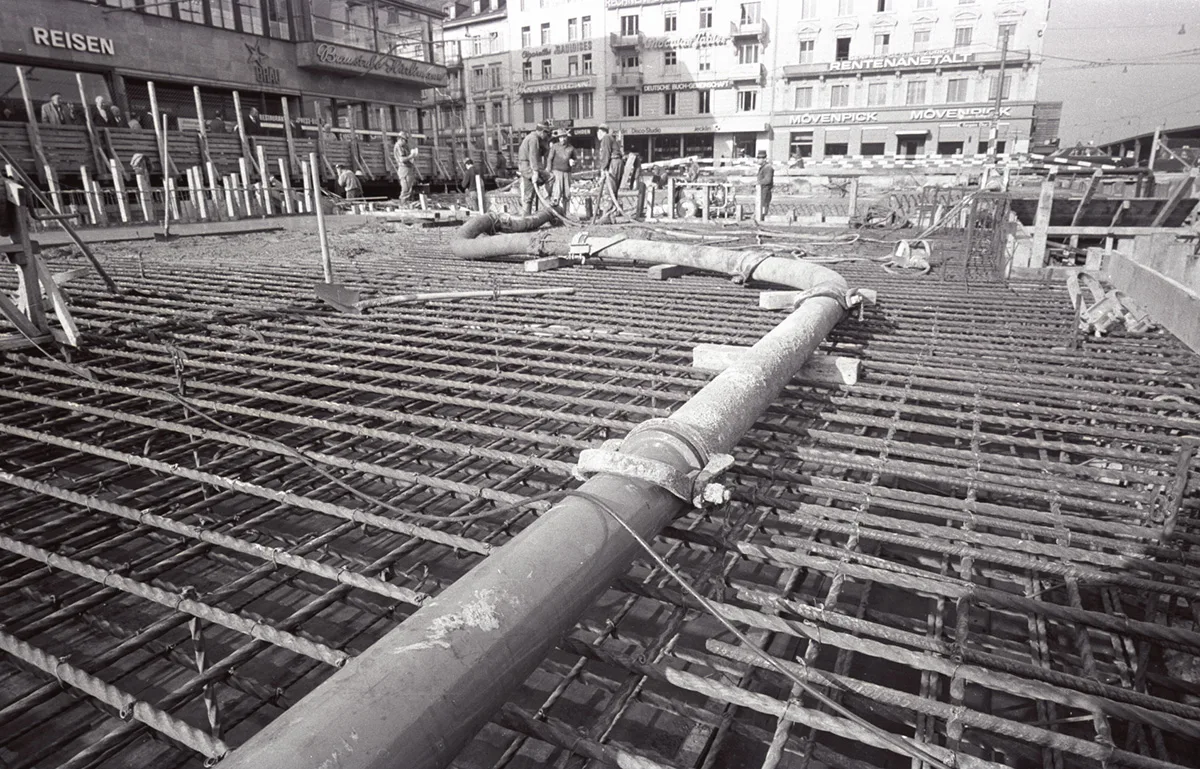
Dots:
{"x": 422, "y": 692}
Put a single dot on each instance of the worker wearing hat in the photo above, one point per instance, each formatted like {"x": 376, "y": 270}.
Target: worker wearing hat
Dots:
{"x": 406, "y": 168}
{"x": 348, "y": 181}
{"x": 766, "y": 183}
{"x": 560, "y": 162}
{"x": 531, "y": 165}
{"x": 608, "y": 166}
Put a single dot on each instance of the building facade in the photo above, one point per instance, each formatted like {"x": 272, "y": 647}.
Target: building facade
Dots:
{"x": 358, "y": 64}
{"x": 795, "y": 78}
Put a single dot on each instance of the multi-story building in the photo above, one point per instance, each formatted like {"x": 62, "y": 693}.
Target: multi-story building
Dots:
{"x": 348, "y": 63}
{"x": 905, "y": 77}
{"x": 795, "y": 78}
{"x": 473, "y": 112}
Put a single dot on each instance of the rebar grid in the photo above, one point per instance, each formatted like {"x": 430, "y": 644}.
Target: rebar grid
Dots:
{"x": 984, "y": 546}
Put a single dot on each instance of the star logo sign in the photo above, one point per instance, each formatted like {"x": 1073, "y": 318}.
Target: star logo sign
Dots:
{"x": 257, "y": 56}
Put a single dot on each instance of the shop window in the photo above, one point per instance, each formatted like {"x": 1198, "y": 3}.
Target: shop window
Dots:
{"x": 950, "y": 148}
{"x": 800, "y": 144}
{"x": 804, "y": 97}
{"x": 631, "y": 105}
{"x": 806, "y": 49}
{"x": 843, "y": 49}
{"x": 883, "y": 42}
{"x": 872, "y": 148}
{"x": 920, "y": 40}
{"x": 706, "y": 17}
{"x": 877, "y": 94}
{"x": 839, "y": 96}
{"x": 983, "y": 148}
{"x": 747, "y": 101}
{"x": 704, "y": 102}
{"x": 915, "y": 92}
{"x": 44, "y": 82}
{"x": 956, "y": 90}
{"x": 836, "y": 149}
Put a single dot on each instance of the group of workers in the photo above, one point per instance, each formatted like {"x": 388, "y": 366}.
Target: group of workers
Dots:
{"x": 546, "y": 158}
{"x": 404, "y": 153}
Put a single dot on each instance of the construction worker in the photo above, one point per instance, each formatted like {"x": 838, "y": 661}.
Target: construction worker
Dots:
{"x": 469, "y": 177}
{"x": 766, "y": 183}
{"x": 608, "y": 167}
{"x": 531, "y": 165}
{"x": 348, "y": 181}
{"x": 560, "y": 163}
{"x": 406, "y": 168}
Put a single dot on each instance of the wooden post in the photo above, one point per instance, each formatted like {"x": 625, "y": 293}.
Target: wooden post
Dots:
{"x": 87, "y": 194}
{"x": 199, "y": 197}
{"x": 306, "y": 180}
{"x": 244, "y": 167}
{"x": 241, "y": 132}
{"x": 286, "y": 181}
{"x": 326, "y": 261}
{"x": 293, "y": 162}
{"x": 158, "y": 123}
{"x": 101, "y": 209}
{"x": 34, "y": 131}
{"x": 853, "y": 208}
{"x": 214, "y": 185}
{"x": 670, "y": 195}
{"x": 479, "y": 193}
{"x": 144, "y": 197}
{"x": 1154, "y": 147}
{"x": 265, "y": 175}
{"x": 119, "y": 187}
{"x": 758, "y": 212}
{"x": 1041, "y": 223}
{"x": 98, "y": 156}
{"x": 55, "y": 192}
{"x": 171, "y": 201}
{"x": 230, "y": 208}
{"x": 704, "y": 207}
{"x": 188, "y": 206}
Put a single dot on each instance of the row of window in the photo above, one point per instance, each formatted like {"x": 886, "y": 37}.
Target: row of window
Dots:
{"x": 809, "y": 8}
{"x": 964, "y": 37}
{"x": 631, "y": 104}
{"x": 578, "y": 28}
{"x": 580, "y": 106}
{"x": 916, "y": 93}
{"x": 577, "y": 65}
{"x": 269, "y": 18}
{"x": 751, "y": 13}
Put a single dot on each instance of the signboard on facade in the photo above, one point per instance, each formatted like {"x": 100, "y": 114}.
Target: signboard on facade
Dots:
{"x": 901, "y": 61}
{"x": 73, "y": 41}
{"x": 699, "y": 40}
{"x": 340, "y": 58}
{"x": 582, "y": 84}
{"x": 546, "y": 50}
{"x": 697, "y": 85}
{"x": 912, "y": 115}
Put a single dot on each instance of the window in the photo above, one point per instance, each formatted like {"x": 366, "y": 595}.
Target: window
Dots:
{"x": 748, "y": 53}
{"x": 956, "y": 90}
{"x": 883, "y": 41}
{"x": 804, "y": 97}
{"x": 251, "y": 16}
{"x": 800, "y": 144}
{"x": 877, "y": 94}
{"x": 949, "y": 148}
{"x": 914, "y": 92}
{"x": 843, "y": 49}
{"x": 920, "y": 40}
{"x": 670, "y": 59}
{"x": 670, "y": 21}
{"x": 983, "y": 148}
{"x": 527, "y": 70}
{"x": 547, "y": 108}
{"x": 836, "y": 149}
{"x": 808, "y": 9}
{"x": 704, "y": 59}
{"x": 1006, "y": 30}
{"x": 494, "y": 75}
{"x": 477, "y": 78}
{"x": 546, "y": 34}
{"x": 962, "y": 37}
{"x": 704, "y": 102}
{"x": 670, "y": 103}
{"x": 585, "y": 105}
{"x": 992, "y": 87}
{"x": 573, "y": 106}
{"x": 924, "y": 4}
{"x": 572, "y": 66}
{"x": 630, "y": 62}
{"x": 526, "y": 37}
{"x": 872, "y": 148}
{"x": 706, "y": 17}
{"x": 747, "y": 101}
{"x": 631, "y": 105}
{"x": 546, "y": 70}
{"x": 807, "y": 48}
{"x": 882, "y": 6}
{"x": 751, "y": 13}
{"x": 585, "y": 27}
{"x": 839, "y": 96}
{"x": 527, "y": 106}
{"x": 572, "y": 29}
{"x": 629, "y": 25}
{"x": 586, "y": 61}
{"x": 497, "y": 112}
{"x": 480, "y": 114}
{"x": 845, "y": 7}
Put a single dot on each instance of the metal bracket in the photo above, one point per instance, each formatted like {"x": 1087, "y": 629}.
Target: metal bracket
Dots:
{"x": 697, "y": 488}
{"x": 583, "y": 246}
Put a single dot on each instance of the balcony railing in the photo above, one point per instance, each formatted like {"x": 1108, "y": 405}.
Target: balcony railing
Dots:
{"x": 746, "y": 72}
{"x": 748, "y": 29}
{"x": 617, "y": 41}
{"x": 627, "y": 79}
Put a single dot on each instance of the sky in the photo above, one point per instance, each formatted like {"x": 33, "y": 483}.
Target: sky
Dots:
{"x": 1122, "y": 67}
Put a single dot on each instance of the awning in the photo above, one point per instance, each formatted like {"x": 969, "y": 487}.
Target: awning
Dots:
{"x": 922, "y": 132}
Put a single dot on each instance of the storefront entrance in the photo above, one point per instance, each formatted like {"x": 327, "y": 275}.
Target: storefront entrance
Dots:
{"x": 911, "y": 145}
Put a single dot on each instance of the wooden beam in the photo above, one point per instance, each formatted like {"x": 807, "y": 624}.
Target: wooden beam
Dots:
{"x": 1179, "y": 193}
{"x": 98, "y": 156}
{"x": 32, "y": 129}
{"x": 1120, "y": 232}
{"x": 293, "y": 158}
{"x": 1088, "y": 193}
{"x": 1041, "y": 223}
{"x": 59, "y": 302}
{"x": 664, "y": 271}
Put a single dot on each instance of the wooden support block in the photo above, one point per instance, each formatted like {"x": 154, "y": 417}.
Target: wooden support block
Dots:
{"x": 545, "y": 263}
{"x": 664, "y": 271}
{"x": 828, "y": 369}
{"x": 778, "y": 300}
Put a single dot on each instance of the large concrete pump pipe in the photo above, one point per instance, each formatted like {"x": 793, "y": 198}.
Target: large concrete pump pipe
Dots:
{"x": 422, "y": 692}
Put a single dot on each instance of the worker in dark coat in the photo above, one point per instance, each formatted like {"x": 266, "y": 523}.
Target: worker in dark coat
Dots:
{"x": 608, "y": 166}
{"x": 470, "y": 174}
{"x": 766, "y": 183}
{"x": 531, "y": 165}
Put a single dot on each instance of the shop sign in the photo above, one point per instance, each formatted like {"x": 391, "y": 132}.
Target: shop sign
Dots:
{"x": 73, "y": 41}
{"x": 698, "y": 40}
{"x": 532, "y": 53}
{"x": 642, "y": 130}
{"x": 958, "y": 113}
{"x": 546, "y": 50}
{"x": 561, "y": 85}
{"x": 698, "y": 85}
{"x": 901, "y": 61}
{"x": 263, "y": 73}
{"x": 834, "y": 118}
{"x": 614, "y": 4}
{"x": 340, "y": 58}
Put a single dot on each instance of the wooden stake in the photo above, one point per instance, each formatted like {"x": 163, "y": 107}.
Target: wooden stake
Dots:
{"x": 326, "y": 261}
{"x": 87, "y": 194}
{"x": 265, "y": 174}
{"x": 286, "y": 181}
{"x": 119, "y": 187}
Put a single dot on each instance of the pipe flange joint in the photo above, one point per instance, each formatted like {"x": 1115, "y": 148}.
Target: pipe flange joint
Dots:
{"x": 697, "y": 488}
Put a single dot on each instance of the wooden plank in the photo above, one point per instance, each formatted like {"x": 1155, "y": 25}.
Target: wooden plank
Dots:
{"x": 31, "y": 127}
{"x": 1041, "y": 223}
{"x": 293, "y": 163}
{"x": 1179, "y": 193}
{"x": 665, "y": 271}
{"x": 1116, "y": 217}
{"x": 62, "y": 310}
{"x": 1088, "y": 192}
{"x": 18, "y": 318}
{"x": 545, "y": 263}
{"x": 826, "y": 369}
{"x": 98, "y": 156}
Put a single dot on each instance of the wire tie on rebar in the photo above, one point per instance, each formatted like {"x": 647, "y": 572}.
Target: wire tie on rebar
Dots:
{"x": 58, "y": 662}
